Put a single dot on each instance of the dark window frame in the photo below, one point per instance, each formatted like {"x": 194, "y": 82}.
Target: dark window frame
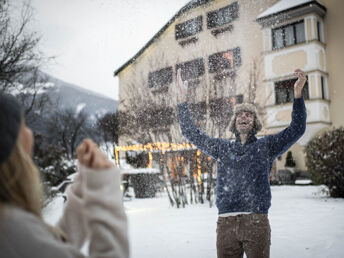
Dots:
{"x": 189, "y": 75}
{"x": 283, "y": 28}
{"x": 284, "y": 91}
{"x": 181, "y": 31}
{"x": 156, "y": 117}
{"x": 212, "y": 17}
{"x": 320, "y": 31}
{"x": 160, "y": 78}
{"x": 198, "y": 110}
{"x": 217, "y": 63}
{"x": 323, "y": 88}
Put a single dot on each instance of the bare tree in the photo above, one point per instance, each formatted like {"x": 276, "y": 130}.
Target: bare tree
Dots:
{"x": 146, "y": 115}
{"x": 67, "y": 128}
{"x": 20, "y": 58}
{"x": 254, "y": 80}
{"x": 108, "y": 126}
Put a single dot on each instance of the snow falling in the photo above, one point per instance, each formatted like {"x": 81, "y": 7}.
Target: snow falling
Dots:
{"x": 169, "y": 185}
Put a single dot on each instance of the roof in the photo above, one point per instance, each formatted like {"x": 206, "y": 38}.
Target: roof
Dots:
{"x": 192, "y": 4}
{"x": 286, "y": 5}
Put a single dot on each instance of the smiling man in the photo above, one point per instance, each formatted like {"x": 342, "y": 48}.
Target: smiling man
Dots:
{"x": 243, "y": 195}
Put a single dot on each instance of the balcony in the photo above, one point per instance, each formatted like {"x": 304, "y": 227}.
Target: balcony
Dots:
{"x": 279, "y": 116}
{"x": 282, "y": 62}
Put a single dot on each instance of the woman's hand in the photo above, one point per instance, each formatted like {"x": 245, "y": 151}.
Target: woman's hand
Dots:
{"x": 91, "y": 156}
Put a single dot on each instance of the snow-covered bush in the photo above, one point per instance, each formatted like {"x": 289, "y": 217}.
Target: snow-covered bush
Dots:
{"x": 325, "y": 160}
{"x": 53, "y": 165}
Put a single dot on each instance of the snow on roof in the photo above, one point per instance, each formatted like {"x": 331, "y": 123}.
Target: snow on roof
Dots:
{"x": 190, "y": 5}
{"x": 283, "y": 5}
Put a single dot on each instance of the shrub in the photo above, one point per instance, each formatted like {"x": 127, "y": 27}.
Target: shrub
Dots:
{"x": 289, "y": 161}
{"x": 325, "y": 160}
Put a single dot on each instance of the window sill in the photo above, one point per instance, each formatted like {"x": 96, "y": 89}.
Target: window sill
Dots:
{"x": 224, "y": 75}
{"x": 185, "y": 42}
{"x": 218, "y": 31}
{"x": 295, "y": 45}
{"x": 291, "y": 103}
{"x": 161, "y": 89}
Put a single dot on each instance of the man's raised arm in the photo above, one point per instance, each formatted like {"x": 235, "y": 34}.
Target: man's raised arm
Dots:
{"x": 189, "y": 130}
{"x": 281, "y": 142}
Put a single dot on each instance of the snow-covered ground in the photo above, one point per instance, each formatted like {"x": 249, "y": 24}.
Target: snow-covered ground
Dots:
{"x": 304, "y": 223}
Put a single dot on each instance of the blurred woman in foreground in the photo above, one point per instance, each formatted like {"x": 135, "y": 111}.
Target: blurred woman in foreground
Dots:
{"x": 93, "y": 212}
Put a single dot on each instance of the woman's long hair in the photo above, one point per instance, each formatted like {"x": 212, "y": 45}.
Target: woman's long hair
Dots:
{"x": 20, "y": 183}
{"x": 20, "y": 186}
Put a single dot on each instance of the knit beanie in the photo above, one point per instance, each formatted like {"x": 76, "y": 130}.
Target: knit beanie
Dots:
{"x": 11, "y": 116}
{"x": 248, "y": 108}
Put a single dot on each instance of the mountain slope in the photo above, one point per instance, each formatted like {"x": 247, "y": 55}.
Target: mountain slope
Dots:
{"x": 71, "y": 96}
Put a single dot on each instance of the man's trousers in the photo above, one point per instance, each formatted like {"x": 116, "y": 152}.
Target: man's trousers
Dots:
{"x": 249, "y": 233}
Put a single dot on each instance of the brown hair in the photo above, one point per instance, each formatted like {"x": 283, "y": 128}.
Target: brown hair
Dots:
{"x": 20, "y": 183}
{"x": 20, "y": 186}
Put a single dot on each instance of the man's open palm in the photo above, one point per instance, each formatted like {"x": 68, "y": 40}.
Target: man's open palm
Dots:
{"x": 300, "y": 83}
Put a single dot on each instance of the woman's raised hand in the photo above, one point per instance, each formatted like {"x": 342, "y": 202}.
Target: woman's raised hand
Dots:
{"x": 91, "y": 156}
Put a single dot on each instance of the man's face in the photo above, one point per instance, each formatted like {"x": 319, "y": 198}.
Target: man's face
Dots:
{"x": 244, "y": 122}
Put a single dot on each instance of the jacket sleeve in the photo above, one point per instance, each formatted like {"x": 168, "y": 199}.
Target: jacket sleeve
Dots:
{"x": 24, "y": 235}
{"x": 105, "y": 214}
{"x": 73, "y": 222}
{"x": 208, "y": 145}
{"x": 282, "y": 141}
{"x": 94, "y": 209}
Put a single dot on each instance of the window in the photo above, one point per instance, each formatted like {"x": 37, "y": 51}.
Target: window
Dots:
{"x": 191, "y": 69}
{"x": 222, "y": 16}
{"x": 160, "y": 78}
{"x": 155, "y": 117}
{"x": 189, "y": 28}
{"x": 217, "y": 62}
{"x": 323, "y": 88}
{"x": 288, "y": 35}
{"x": 277, "y": 38}
{"x": 284, "y": 91}
{"x": 320, "y": 31}
{"x": 222, "y": 108}
{"x": 300, "y": 32}
{"x": 198, "y": 110}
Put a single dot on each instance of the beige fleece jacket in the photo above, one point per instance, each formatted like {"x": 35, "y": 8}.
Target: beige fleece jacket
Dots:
{"x": 94, "y": 212}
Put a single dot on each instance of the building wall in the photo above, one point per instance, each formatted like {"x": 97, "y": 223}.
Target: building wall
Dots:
{"x": 317, "y": 58}
{"x": 334, "y": 38}
{"x": 166, "y": 51}
{"x": 314, "y": 57}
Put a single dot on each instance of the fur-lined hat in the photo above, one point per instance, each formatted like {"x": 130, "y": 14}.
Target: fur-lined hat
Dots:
{"x": 248, "y": 108}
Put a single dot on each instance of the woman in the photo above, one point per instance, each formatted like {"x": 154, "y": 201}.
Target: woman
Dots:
{"x": 93, "y": 212}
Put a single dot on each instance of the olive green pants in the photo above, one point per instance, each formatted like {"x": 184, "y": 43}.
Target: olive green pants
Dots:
{"x": 249, "y": 233}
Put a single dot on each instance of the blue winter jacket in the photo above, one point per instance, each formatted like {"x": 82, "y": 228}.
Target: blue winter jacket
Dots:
{"x": 242, "y": 183}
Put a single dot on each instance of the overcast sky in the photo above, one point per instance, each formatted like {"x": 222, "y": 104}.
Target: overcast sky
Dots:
{"x": 92, "y": 38}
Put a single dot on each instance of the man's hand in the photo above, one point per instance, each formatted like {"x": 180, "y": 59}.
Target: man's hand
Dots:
{"x": 300, "y": 83}
{"x": 91, "y": 156}
{"x": 182, "y": 88}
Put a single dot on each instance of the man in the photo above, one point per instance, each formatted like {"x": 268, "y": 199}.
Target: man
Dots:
{"x": 243, "y": 195}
